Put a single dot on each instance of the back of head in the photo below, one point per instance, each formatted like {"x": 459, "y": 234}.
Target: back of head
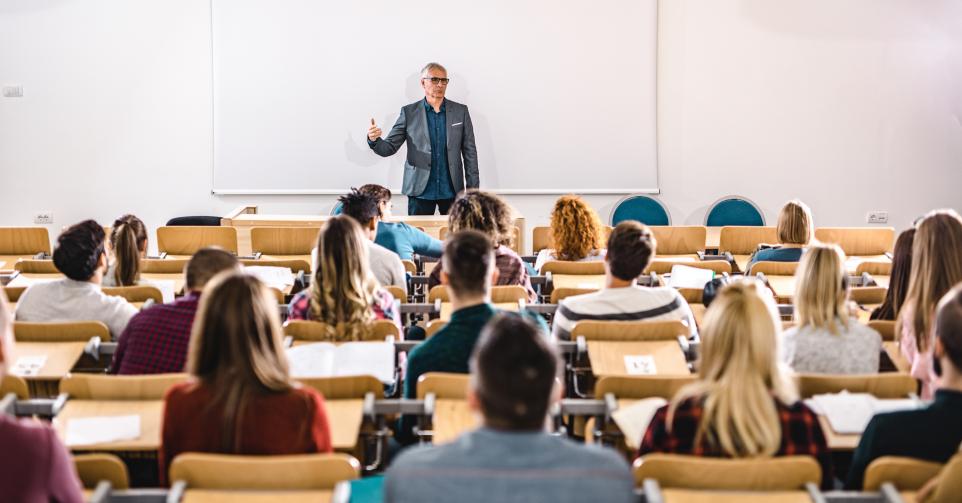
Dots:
{"x": 795, "y": 226}
{"x": 575, "y": 228}
{"x": 361, "y": 207}
{"x": 343, "y": 288}
{"x": 483, "y": 212}
{"x": 630, "y": 248}
{"x": 128, "y": 240}
{"x": 236, "y": 346}
{"x": 948, "y": 327}
{"x": 821, "y": 288}
{"x": 739, "y": 374}
{"x": 899, "y": 277}
{"x": 468, "y": 261}
{"x": 514, "y": 372}
{"x": 936, "y": 268}
{"x": 79, "y": 249}
{"x": 379, "y": 192}
{"x": 207, "y": 263}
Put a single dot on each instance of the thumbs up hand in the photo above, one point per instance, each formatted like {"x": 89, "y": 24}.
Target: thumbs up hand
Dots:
{"x": 373, "y": 132}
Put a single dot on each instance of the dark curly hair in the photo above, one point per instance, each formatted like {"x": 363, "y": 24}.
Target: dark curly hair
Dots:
{"x": 79, "y": 249}
{"x": 483, "y": 212}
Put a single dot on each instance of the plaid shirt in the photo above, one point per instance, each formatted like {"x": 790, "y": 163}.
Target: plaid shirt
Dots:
{"x": 156, "y": 339}
{"x": 801, "y": 434}
{"x": 511, "y": 271}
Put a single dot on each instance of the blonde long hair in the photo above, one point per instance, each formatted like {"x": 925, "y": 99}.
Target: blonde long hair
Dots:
{"x": 575, "y": 228}
{"x": 821, "y": 288}
{"x": 739, "y": 374}
{"x": 343, "y": 288}
{"x": 936, "y": 268}
{"x": 237, "y": 349}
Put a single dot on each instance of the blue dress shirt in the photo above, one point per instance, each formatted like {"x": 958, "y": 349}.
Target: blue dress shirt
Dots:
{"x": 439, "y": 182}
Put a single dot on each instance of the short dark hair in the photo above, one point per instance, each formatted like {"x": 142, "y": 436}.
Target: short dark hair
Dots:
{"x": 630, "y": 248}
{"x": 79, "y": 249}
{"x": 513, "y": 371}
{"x": 467, "y": 259}
{"x": 207, "y": 263}
{"x": 359, "y": 206}
{"x": 948, "y": 325}
{"x": 379, "y": 192}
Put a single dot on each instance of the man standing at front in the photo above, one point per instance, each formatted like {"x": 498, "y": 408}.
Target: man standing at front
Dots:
{"x": 442, "y": 158}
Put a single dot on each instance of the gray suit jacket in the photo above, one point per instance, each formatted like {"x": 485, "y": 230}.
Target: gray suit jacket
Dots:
{"x": 412, "y": 128}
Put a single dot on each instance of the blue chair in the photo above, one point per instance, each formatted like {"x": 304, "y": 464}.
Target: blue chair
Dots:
{"x": 337, "y": 209}
{"x": 734, "y": 210}
{"x": 644, "y": 209}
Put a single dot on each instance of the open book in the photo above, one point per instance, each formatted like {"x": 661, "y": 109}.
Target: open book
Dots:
{"x": 274, "y": 277}
{"x": 683, "y": 276}
{"x": 633, "y": 420}
{"x": 849, "y": 413}
{"x": 324, "y": 359}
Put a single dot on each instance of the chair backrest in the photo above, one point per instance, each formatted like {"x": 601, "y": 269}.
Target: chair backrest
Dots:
{"x": 664, "y": 266}
{"x": 884, "y": 385}
{"x": 433, "y": 326}
{"x": 443, "y": 385}
{"x": 885, "y": 328}
{"x": 906, "y": 474}
{"x": 137, "y": 293}
{"x": 112, "y": 387}
{"x": 33, "y": 266}
{"x": 772, "y": 268}
{"x": 515, "y": 241}
{"x": 744, "y": 240}
{"x": 24, "y": 240}
{"x": 59, "y": 331}
{"x": 593, "y": 267}
{"x": 541, "y": 238}
{"x": 753, "y": 474}
{"x": 499, "y": 294}
{"x": 163, "y": 266}
{"x": 874, "y": 267}
{"x": 734, "y": 210}
{"x": 306, "y": 330}
{"x": 186, "y": 240}
{"x": 409, "y": 266}
{"x": 295, "y": 265}
{"x": 10, "y": 383}
{"x": 293, "y": 472}
{"x": 638, "y": 387}
{"x": 645, "y": 209}
{"x": 93, "y": 468}
{"x": 867, "y": 295}
{"x": 397, "y": 292}
{"x": 593, "y": 330}
{"x": 858, "y": 240}
{"x": 559, "y": 294}
{"x": 14, "y": 293}
{"x": 950, "y": 482}
{"x": 345, "y": 387}
{"x": 284, "y": 240}
{"x": 679, "y": 239}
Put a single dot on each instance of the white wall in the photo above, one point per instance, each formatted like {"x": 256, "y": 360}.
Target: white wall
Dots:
{"x": 851, "y": 106}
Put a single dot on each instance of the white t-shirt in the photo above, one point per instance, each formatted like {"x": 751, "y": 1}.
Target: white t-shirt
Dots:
{"x": 69, "y": 300}
{"x": 631, "y": 303}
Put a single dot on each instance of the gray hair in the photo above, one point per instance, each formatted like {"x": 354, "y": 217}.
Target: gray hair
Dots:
{"x": 433, "y": 66}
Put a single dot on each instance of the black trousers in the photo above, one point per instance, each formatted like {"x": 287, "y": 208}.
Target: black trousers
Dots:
{"x": 418, "y": 206}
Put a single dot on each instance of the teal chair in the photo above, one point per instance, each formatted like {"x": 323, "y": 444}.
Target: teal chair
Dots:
{"x": 644, "y": 209}
{"x": 734, "y": 210}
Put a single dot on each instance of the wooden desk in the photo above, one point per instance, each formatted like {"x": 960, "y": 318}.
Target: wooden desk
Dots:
{"x": 9, "y": 261}
{"x": 837, "y": 441}
{"x": 451, "y": 419}
{"x": 882, "y": 281}
{"x": 852, "y": 262}
{"x": 345, "y": 417}
{"x": 741, "y": 262}
{"x": 594, "y": 281}
{"x": 61, "y": 358}
{"x": 150, "y": 412}
{"x": 895, "y": 354}
{"x": 447, "y": 309}
{"x": 219, "y": 496}
{"x": 784, "y": 287}
{"x": 608, "y": 357}
{"x": 698, "y": 312}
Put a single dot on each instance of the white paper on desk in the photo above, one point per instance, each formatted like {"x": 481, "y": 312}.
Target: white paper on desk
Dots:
{"x": 683, "y": 276}
{"x": 27, "y": 366}
{"x": 102, "y": 430}
{"x": 849, "y": 413}
{"x": 633, "y": 420}
{"x": 640, "y": 364}
{"x": 22, "y": 280}
{"x": 166, "y": 287}
{"x": 323, "y": 359}
{"x": 274, "y": 277}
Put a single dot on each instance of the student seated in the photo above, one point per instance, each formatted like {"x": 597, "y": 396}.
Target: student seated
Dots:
{"x": 384, "y": 264}
{"x": 469, "y": 272}
{"x": 240, "y": 399}
{"x": 795, "y": 231}
{"x": 936, "y": 268}
{"x": 630, "y": 248}
{"x": 80, "y": 256}
{"x": 156, "y": 339}
{"x": 399, "y": 237}
{"x": 576, "y": 231}
{"x": 934, "y": 432}
{"x": 128, "y": 244}
{"x": 827, "y": 340}
{"x": 343, "y": 291}
{"x": 515, "y": 380}
{"x": 898, "y": 279}
{"x": 489, "y": 214}
{"x": 34, "y": 465}
{"x": 742, "y": 405}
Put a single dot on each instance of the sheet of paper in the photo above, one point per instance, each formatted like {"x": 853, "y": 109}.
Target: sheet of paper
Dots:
{"x": 22, "y": 280}
{"x": 633, "y": 420}
{"x": 166, "y": 287}
{"x": 274, "y": 277}
{"x": 891, "y": 405}
{"x": 102, "y": 430}
{"x": 365, "y": 358}
{"x": 312, "y": 360}
{"x": 849, "y": 413}
{"x": 683, "y": 276}
{"x": 640, "y": 364}
{"x": 27, "y": 366}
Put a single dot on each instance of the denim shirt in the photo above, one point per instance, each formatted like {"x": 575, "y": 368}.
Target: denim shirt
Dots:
{"x": 439, "y": 182}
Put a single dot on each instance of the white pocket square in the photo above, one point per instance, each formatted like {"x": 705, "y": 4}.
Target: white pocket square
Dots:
{"x": 457, "y": 124}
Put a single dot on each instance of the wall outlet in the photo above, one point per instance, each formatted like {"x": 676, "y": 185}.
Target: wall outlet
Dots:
{"x": 43, "y": 218}
{"x": 13, "y": 91}
{"x": 877, "y": 217}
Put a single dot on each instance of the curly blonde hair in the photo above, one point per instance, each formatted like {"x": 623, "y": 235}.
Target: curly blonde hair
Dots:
{"x": 575, "y": 228}
{"x": 483, "y": 212}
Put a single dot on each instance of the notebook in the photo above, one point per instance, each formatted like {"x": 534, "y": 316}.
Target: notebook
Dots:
{"x": 849, "y": 413}
{"x": 633, "y": 420}
{"x": 683, "y": 276}
{"x": 324, "y": 359}
{"x": 101, "y": 430}
{"x": 274, "y": 277}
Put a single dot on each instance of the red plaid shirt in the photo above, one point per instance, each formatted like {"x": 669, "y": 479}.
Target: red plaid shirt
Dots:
{"x": 511, "y": 271}
{"x": 156, "y": 339}
{"x": 801, "y": 434}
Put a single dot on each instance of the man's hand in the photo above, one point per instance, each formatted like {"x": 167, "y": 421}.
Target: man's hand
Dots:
{"x": 373, "y": 132}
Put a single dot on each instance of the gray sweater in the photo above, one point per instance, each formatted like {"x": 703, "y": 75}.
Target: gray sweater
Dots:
{"x": 854, "y": 350}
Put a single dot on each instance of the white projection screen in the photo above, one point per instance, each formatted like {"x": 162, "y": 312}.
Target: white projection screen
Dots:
{"x": 561, "y": 94}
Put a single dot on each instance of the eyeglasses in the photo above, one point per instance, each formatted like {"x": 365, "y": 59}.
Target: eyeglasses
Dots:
{"x": 437, "y": 80}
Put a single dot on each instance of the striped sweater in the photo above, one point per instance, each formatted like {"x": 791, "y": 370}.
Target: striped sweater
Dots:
{"x": 631, "y": 303}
